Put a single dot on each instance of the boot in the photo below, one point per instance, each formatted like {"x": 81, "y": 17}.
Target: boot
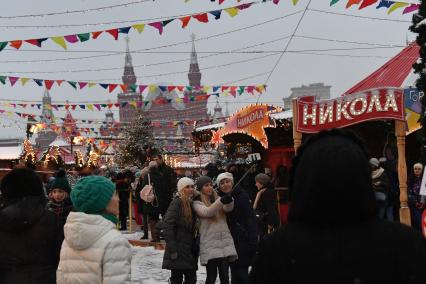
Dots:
{"x": 154, "y": 235}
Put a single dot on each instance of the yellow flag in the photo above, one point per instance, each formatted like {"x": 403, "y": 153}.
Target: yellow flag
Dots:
{"x": 24, "y": 81}
{"x": 261, "y": 88}
{"x": 179, "y": 100}
{"x": 397, "y": 5}
{"x": 92, "y": 84}
{"x": 152, "y": 88}
{"x": 133, "y": 104}
{"x": 9, "y": 113}
{"x": 232, "y": 11}
{"x": 59, "y": 41}
{"x": 139, "y": 27}
{"x": 90, "y": 106}
{"x": 206, "y": 89}
{"x": 295, "y": 2}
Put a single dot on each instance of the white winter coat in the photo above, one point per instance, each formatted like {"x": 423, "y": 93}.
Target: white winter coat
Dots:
{"x": 215, "y": 238}
{"x": 93, "y": 252}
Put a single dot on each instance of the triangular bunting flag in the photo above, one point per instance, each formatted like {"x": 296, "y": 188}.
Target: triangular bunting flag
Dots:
{"x": 158, "y": 26}
{"x": 111, "y": 87}
{"x": 82, "y": 85}
{"x": 3, "y": 45}
{"x": 171, "y": 88}
{"x": 185, "y": 20}
{"x": 48, "y": 84}
{"x": 385, "y": 4}
{"x": 91, "y": 84}
{"x": 90, "y": 106}
{"x": 59, "y": 40}
{"x": 396, "y": 6}
{"x": 203, "y": 18}
{"x": 367, "y": 3}
{"x": 38, "y": 82}
{"x": 163, "y": 88}
{"x": 123, "y": 87}
{"x": 139, "y": 27}
{"x": 13, "y": 80}
{"x": 352, "y": 2}
{"x": 133, "y": 87}
{"x": 114, "y": 33}
{"x": 409, "y": 9}
{"x": 71, "y": 38}
{"x": 95, "y": 35}
{"x": 24, "y": 81}
{"x": 166, "y": 22}
{"x": 83, "y": 37}
{"x": 59, "y": 82}
{"x": 333, "y": 2}
{"x": 124, "y": 30}
{"x": 142, "y": 88}
{"x": 152, "y": 88}
{"x": 16, "y": 43}
{"x": 216, "y": 14}
{"x": 73, "y": 84}
{"x": 105, "y": 86}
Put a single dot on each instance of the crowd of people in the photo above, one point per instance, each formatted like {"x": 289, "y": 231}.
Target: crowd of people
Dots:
{"x": 226, "y": 219}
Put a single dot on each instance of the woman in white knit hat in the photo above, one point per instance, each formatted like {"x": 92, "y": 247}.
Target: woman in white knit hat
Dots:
{"x": 179, "y": 227}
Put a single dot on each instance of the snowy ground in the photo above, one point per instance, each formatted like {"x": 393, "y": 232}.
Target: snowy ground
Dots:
{"x": 146, "y": 265}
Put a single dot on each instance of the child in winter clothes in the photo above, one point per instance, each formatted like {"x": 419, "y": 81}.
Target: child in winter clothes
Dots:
{"x": 179, "y": 227}
{"x": 93, "y": 250}
{"x": 216, "y": 243}
{"x": 59, "y": 201}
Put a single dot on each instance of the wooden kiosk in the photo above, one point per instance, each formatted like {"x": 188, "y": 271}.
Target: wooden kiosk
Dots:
{"x": 311, "y": 116}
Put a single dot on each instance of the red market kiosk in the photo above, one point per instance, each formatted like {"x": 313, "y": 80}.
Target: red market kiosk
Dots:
{"x": 311, "y": 116}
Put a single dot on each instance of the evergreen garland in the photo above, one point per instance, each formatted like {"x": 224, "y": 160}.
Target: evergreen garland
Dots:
{"x": 419, "y": 68}
{"x": 137, "y": 138}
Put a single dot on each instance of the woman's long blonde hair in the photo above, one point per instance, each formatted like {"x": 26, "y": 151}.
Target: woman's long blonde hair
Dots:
{"x": 186, "y": 208}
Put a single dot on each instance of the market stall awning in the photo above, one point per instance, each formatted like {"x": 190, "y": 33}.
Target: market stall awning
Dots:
{"x": 392, "y": 74}
{"x": 10, "y": 152}
{"x": 211, "y": 126}
{"x": 287, "y": 114}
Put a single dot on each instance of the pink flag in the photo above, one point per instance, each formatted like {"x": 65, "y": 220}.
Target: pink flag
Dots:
{"x": 158, "y": 26}
{"x": 71, "y": 38}
{"x": 13, "y": 80}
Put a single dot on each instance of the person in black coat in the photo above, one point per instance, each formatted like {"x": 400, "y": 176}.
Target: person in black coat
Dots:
{"x": 122, "y": 186}
{"x": 242, "y": 224}
{"x": 168, "y": 177}
{"x": 265, "y": 205}
{"x": 30, "y": 234}
{"x": 154, "y": 209}
{"x": 179, "y": 228}
{"x": 333, "y": 234}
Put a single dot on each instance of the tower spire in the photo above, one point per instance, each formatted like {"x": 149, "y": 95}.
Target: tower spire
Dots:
{"x": 129, "y": 77}
{"x": 194, "y": 74}
{"x": 47, "y": 113}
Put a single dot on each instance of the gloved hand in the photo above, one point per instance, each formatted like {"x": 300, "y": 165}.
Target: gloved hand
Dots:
{"x": 226, "y": 199}
{"x": 174, "y": 255}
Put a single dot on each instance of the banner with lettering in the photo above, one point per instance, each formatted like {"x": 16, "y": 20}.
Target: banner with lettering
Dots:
{"x": 384, "y": 103}
{"x": 251, "y": 120}
{"x": 413, "y": 109}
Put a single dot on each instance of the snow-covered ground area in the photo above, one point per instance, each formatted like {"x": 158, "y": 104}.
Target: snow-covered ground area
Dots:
{"x": 146, "y": 265}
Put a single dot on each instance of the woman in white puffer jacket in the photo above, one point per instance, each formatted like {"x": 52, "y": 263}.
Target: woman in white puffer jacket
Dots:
{"x": 216, "y": 244}
{"x": 93, "y": 251}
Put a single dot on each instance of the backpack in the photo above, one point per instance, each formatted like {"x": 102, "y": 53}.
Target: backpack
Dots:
{"x": 148, "y": 193}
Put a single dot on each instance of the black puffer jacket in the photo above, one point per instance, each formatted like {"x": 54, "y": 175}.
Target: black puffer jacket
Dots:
{"x": 30, "y": 242}
{"x": 376, "y": 251}
{"x": 243, "y": 227}
{"x": 180, "y": 238}
{"x": 267, "y": 210}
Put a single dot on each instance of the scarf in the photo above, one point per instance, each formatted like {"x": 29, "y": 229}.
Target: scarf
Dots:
{"x": 258, "y": 195}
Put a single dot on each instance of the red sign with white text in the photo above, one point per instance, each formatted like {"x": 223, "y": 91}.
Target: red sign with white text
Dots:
{"x": 313, "y": 116}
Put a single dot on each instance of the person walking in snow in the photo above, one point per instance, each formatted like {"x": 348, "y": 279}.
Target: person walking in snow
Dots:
{"x": 30, "y": 234}
{"x": 179, "y": 229}
{"x": 216, "y": 244}
{"x": 93, "y": 250}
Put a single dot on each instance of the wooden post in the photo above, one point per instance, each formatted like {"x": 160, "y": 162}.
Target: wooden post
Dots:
{"x": 130, "y": 208}
{"x": 297, "y": 136}
{"x": 404, "y": 211}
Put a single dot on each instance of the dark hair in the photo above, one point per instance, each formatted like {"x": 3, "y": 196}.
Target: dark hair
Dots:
{"x": 330, "y": 181}
{"x": 21, "y": 182}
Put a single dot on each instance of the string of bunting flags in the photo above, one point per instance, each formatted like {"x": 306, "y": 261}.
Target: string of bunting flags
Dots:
{"x": 238, "y": 1}
{"x": 63, "y": 40}
{"x": 48, "y": 84}
{"x": 390, "y": 5}
{"x": 155, "y": 123}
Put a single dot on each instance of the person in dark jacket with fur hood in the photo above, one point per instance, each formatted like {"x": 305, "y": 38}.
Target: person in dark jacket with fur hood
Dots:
{"x": 333, "y": 234}
{"x": 59, "y": 200}
{"x": 29, "y": 233}
{"x": 243, "y": 227}
{"x": 179, "y": 228}
{"x": 265, "y": 205}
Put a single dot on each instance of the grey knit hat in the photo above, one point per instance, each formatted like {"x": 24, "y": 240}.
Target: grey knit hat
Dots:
{"x": 263, "y": 179}
{"x": 201, "y": 181}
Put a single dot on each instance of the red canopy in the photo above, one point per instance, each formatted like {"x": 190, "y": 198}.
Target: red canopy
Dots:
{"x": 392, "y": 74}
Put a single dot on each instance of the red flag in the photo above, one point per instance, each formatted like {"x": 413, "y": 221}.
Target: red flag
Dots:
{"x": 352, "y": 2}
{"x": 16, "y": 43}
{"x": 35, "y": 42}
{"x": 203, "y": 18}
{"x": 111, "y": 87}
{"x": 59, "y": 82}
{"x": 48, "y": 84}
{"x": 96, "y": 34}
{"x": 171, "y": 88}
{"x": 123, "y": 87}
{"x": 185, "y": 21}
{"x": 367, "y": 3}
{"x": 114, "y": 33}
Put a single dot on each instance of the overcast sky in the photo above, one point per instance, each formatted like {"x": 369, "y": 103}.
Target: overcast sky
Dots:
{"x": 340, "y": 68}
